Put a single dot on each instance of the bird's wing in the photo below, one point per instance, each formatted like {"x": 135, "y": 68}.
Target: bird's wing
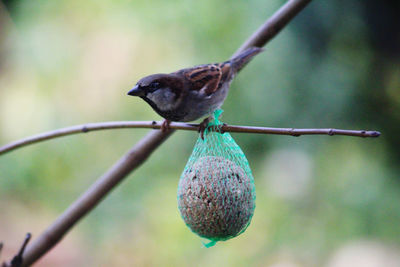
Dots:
{"x": 207, "y": 79}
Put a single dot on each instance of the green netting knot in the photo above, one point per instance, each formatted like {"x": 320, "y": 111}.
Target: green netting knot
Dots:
{"x": 216, "y": 192}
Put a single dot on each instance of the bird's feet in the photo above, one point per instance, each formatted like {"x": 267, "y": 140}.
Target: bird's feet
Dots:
{"x": 165, "y": 126}
{"x": 203, "y": 126}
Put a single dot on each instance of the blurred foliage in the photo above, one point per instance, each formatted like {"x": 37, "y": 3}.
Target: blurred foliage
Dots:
{"x": 336, "y": 65}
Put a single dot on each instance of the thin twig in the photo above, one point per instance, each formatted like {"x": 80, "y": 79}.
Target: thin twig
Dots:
{"x": 1, "y": 248}
{"x": 85, "y": 128}
{"x": 18, "y": 259}
{"x": 136, "y": 156}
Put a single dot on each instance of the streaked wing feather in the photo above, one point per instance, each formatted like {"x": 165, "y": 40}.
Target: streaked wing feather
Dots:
{"x": 204, "y": 78}
{"x": 226, "y": 72}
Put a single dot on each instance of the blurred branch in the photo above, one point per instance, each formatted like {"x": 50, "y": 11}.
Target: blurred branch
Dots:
{"x": 88, "y": 200}
{"x": 139, "y": 153}
{"x": 84, "y": 128}
{"x": 274, "y": 24}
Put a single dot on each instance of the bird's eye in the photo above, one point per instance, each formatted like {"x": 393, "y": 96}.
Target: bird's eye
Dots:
{"x": 154, "y": 85}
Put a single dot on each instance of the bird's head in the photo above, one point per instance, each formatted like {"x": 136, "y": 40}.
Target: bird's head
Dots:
{"x": 159, "y": 90}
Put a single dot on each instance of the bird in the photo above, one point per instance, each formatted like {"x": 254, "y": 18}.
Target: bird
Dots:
{"x": 191, "y": 93}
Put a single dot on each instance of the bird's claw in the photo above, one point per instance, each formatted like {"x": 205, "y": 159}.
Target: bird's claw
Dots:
{"x": 203, "y": 127}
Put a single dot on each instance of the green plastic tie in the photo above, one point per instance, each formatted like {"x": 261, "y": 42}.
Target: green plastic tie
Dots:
{"x": 210, "y": 244}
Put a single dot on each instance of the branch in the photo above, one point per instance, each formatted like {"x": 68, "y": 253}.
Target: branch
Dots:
{"x": 88, "y": 200}
{"x": 85, "y": 128}
{"x": 139, "y": 153}
{"x": 273, "y": 25}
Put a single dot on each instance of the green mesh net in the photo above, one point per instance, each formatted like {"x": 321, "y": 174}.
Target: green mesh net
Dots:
{"x": 216, "y": 192}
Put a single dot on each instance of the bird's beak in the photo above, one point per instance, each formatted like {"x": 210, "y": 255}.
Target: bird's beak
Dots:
{"x": 136, "y": 91}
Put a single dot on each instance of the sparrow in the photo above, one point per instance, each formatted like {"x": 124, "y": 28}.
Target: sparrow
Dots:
{"x": 191, "y": 93}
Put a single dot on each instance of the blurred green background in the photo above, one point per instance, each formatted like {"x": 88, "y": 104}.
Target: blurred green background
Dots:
{"x": 321, "y": 201}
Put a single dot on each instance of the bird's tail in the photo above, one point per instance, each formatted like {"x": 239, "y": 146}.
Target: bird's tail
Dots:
{"x": 242, "y": 59}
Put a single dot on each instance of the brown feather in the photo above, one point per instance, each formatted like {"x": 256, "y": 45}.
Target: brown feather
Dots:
{"x": 207, "y": 78}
